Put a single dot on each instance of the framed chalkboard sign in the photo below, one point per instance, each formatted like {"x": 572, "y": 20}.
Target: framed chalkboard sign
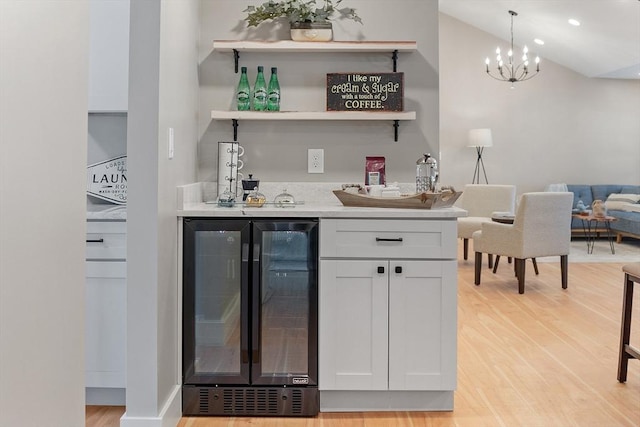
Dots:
{"x": 365, "y": 91}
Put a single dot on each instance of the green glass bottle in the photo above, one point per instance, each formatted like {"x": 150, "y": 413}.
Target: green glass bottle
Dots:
{"x": 273, "y": 97}
{"x": 243, "y": 94}
{"x": 260, "y": 91}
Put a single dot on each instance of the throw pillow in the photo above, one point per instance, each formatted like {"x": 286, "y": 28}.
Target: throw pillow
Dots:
{"x": 619, "y": 201}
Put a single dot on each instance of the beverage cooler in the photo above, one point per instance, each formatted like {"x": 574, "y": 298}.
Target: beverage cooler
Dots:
{"x": 250, "y": 317}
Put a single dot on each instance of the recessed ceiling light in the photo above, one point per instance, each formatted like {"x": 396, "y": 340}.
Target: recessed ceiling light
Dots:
{"x": 574, "y": 22}
{"x": 538, "y": 41}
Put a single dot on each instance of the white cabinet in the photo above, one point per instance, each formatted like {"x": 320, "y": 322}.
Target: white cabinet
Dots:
{"x": 109, "y": 55}
{"x": 353, "y": 331}
{"x": 105, "y": 316}
{"x": 387, "y": 315}
{"x": 422, "y": 325}
{"x": 105, "y": 340}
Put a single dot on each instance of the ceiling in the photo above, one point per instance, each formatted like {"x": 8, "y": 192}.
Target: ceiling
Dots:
{"x": 606, "y": 44}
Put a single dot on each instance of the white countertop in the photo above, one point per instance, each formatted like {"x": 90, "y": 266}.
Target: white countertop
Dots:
{"x": 316, "y": 211}
{"x": 106, "y": 212}
{"x": 193, "y": 202}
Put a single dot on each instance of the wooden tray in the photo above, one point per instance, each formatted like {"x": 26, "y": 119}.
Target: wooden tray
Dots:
{"x": 413, "y": 201}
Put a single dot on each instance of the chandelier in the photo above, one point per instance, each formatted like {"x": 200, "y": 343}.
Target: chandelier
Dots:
{"x": 509, "y": 71}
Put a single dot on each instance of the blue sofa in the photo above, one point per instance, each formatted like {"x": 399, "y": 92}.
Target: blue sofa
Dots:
{"x": 627, "y": 224}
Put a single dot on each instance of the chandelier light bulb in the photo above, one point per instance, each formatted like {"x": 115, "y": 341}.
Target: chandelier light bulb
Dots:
{"x": 514, "y": 71}
{"x": 487, "y": 61}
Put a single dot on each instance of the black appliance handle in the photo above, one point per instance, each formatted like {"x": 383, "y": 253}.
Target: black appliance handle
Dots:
{"x": 382, "y": 239}
{"x": 256, "y": 305}
{"x": 245, "y": 252}
{"x": 244, "y": 354}
{"x": 95, "y": 240}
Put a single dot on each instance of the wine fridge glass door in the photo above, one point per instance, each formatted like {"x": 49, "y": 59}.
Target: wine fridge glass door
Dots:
{"x": 215, "y": 296}
{"x": 285, "y": 304}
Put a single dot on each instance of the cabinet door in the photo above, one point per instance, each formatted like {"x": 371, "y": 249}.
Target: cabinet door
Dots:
{"x": 109, "y": 55}
{"x": 422, "y": 325}
{"x": 353, "y": 334}
{"x": 106, "y": 327}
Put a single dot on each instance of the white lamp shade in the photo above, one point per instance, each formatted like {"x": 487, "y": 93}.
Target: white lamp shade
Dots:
{"x": 480, "y": 138}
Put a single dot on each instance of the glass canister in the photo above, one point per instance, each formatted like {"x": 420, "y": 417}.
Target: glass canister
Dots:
{"x": 227, "y": 199}
{"x": 255, "y": 199}
{"x": 285, "y": 200}
{"x": 426, "y": 173}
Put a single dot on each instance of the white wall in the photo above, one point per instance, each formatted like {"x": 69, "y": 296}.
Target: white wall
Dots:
{"x": 163, "y": 93}
{"x": 277, "y": 151}
{"x": 559, "y": 127}
{"x": 43, "y": 140}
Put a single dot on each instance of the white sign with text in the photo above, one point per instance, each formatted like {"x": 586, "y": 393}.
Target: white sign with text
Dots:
{"x": 108, "y": 180}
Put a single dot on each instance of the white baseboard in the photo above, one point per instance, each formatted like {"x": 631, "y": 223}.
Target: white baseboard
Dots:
{"x": 105, "y": 396}
{"x": 368, "y": 401}
{"x": 169, "y": 416}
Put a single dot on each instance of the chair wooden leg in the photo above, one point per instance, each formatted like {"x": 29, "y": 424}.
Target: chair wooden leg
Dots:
{"x": 465, "y": 248}
{"x": 625, "y": 329}
{"x": 535, "y": 266}
{"x": 509, "y": 260}
{"x": 495, "y": 265}
{"x": 520, "y": 269}
{"x": 564, "y": 270}
{"x": 478, "y": 267}
{"x": 490, "y": 261}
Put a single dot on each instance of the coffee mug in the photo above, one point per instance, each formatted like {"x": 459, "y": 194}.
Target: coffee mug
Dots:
{"x": 230, "y": 148}
{"x": 239, "y": 164}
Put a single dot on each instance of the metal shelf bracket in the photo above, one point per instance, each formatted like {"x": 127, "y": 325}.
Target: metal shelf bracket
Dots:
{"x": 235, "y": 129}
{"x": 236, "y": 57}
{"x": 396, "y": 125}
{"x": 394, "y": 57}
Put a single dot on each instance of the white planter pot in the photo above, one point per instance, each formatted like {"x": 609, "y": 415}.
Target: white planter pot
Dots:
{"x": 311, "y": 32}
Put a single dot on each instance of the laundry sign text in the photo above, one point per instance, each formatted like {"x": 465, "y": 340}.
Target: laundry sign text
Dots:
{"x": 107, "y": 180}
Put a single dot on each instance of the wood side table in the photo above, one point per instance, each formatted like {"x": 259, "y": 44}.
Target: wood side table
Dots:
{"x": 590, "y": 226}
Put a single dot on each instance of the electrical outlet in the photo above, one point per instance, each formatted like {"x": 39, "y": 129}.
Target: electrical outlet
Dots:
{"x": 315, "y": 160}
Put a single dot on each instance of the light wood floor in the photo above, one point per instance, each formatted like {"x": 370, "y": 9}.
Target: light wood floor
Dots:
{"x": 545, "y": 358}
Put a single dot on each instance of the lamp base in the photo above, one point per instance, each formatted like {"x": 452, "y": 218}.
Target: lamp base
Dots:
{"x": 479, "y": 165}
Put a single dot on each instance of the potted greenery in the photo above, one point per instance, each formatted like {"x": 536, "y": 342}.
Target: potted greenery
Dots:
{"x": 308, "y": 21}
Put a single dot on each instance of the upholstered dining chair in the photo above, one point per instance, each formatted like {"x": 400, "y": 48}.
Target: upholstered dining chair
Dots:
{"x": 541, "y": 227}
{"x": 481, "y": 201}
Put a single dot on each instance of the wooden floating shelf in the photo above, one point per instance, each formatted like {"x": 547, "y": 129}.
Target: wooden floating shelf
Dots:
{"x": 313, "y": 115}
{"x": 333, "y": 46}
